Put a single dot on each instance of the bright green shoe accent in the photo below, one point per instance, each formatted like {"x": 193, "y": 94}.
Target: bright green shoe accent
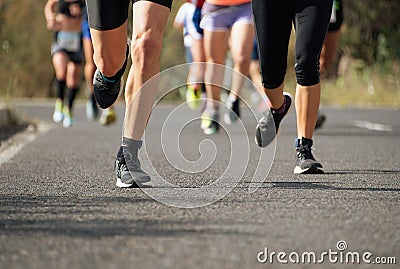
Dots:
{"x": 193, "y": 93}
{"x": 68, "y": 118}
{"x": 205, "y": 121}
{"x": 58, "y": 114}
{"x": 108, "y": 116}
{"x": 209, "y": 122}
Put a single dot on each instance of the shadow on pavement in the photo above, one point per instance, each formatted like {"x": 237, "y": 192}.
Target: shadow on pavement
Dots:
{"x": 363, "y": 171}
{"x": 320, "y": 186}
{"x": 96, "y": 218}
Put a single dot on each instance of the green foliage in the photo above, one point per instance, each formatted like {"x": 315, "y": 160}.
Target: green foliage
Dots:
{"x": 372, "y": 30}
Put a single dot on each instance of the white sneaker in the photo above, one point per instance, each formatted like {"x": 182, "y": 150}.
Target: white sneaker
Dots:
{"x": 92, "y": 111}
{"x": 58, "y": 114}
{"x": 233, "y": 113}
{"x": 209, "y": 122}
{"x": 108, "y": 116}
{"x": 68, "y": 119}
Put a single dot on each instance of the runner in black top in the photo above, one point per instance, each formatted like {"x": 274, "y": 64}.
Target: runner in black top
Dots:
{"x": 273, "y": 22}
{"x": 65, "y": 17}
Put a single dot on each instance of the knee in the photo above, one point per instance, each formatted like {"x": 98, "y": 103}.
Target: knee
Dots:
{"x": 272, "y": 76}
{"x": 242, "y": 63}
{"x": 61, "y": 74}
{"x": 307, "y": 70}
{"x": 214, "y": 74}
{"x": 89, "y": 67}
{"x": 146, "y": 50}
{"x": 73, "y": 82}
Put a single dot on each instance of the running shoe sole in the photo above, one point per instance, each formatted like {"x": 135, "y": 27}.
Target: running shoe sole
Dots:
{"x": 124, "y": 185}
{"x": 313, "y": 169}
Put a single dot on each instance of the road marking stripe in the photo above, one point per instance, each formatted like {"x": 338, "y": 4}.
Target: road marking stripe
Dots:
{"x": 14, "y": 144}
{"x": 372, "y": 126}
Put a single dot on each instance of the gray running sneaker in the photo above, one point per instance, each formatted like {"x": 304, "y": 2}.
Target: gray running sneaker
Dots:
{"x": 268, "y": 126}
{"x": 127, "y": 167}
{"x": 305, "y": 161}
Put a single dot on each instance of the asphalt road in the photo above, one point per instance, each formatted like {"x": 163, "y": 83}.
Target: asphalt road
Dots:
{"x": 60, "y": 208}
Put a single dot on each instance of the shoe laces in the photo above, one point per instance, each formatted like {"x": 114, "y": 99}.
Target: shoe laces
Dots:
{"x": 105, "y": 84}
{"x": 305, "y": 152}
{"x": 122, "y": 166}
{"x": 128, "y": 161}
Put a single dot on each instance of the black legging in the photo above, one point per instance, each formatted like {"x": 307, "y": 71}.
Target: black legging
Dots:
{"x": 273, "y": 23}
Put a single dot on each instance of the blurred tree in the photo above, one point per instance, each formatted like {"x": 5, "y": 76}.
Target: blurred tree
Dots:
{"x": 25, "y": 48}
{"x": 372, "y": 30}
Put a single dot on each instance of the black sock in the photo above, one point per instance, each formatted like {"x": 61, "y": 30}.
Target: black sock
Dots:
{"x": 71, "y": 97}
{"x": 60, "y": 89}
{"x": 303, "y": 142}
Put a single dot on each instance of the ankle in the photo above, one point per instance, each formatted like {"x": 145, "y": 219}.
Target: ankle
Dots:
{"x": 303, "y": 142}
{"x": 131, "y": 143}
{"x": 281, "y": 109}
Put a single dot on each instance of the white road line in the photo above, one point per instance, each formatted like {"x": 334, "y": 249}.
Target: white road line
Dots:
{"x": 14, "y": 144}
{"x": 372, "y": 126}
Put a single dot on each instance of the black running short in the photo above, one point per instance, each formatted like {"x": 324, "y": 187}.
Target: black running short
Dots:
{"x": 70, "y": 44}
{"x": 110, "y": 14}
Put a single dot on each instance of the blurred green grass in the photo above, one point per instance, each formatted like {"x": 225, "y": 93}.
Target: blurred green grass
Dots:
{"x": 357, "y": 86}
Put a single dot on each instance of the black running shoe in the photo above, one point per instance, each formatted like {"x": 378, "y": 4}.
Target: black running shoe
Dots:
{"x": 128, "y": 171}
{"x": 268, "y": 126}
{"x": 305, "y": 161}
{"x": 233, "y": 114}
{"x": 105, "y": 92}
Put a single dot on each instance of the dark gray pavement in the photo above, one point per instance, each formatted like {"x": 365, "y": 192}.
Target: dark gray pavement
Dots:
{"x": 60, "y": 208}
